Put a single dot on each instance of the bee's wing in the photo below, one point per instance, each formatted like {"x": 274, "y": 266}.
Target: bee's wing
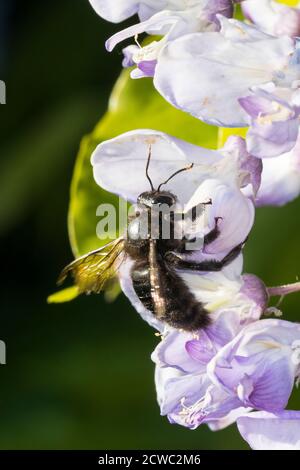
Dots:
{"x": 91, "y": 271}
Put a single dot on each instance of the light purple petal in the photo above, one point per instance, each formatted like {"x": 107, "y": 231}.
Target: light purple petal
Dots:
{"x": 215, "y": 7}
{"x": 263, "y": 397}
{"x": 191, "y": 399}
{"x": 207, "y": 404}
{"x": 256, "y": 105}
{"x": 273, "y": 17}
{"x": 255, "y": 290}
{"x": 127, "y": 155}
{"x": 257, "y": 361}
{"x": 158, "y": 24}
{"x": 280, "y": 179}
{"x": 250, "y": 167}
{"x": 272, "y": 140}
{"x": 224, "y": 328}
{"x": 147, "y": 67}
{"x": 219, "y": 424}
{"x": 172, "y": 352}
{"x": 119, "y": 10}
{"x": 128, "y": 53}
{"x": 136, "y": 74}
{"x": 271, "y": 431}
{"x": 226, "y": 201}
{"x": 274, "y": 116}
{"x": 201, "y": 350}
{"x": 172, "y": 388}
{"x": 226, "y": 64}
{"x": 176, "y": 21}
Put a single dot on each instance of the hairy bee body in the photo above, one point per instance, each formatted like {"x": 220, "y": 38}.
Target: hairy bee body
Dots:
{"x": 182, "y": 310}
{"x": 157, "y": 284}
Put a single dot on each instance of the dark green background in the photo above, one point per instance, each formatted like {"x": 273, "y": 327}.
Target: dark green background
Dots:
{"x": 79, "y": 375}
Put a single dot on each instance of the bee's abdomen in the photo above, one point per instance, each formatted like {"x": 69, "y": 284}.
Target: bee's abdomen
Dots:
{"x": 140, "y": 275}
{"x": 182, "y": 310}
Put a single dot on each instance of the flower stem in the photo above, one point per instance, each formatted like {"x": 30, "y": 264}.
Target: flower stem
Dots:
{"x": 283, "y": 290}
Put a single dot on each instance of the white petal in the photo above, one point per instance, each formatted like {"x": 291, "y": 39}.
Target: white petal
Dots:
{"x": 280, "y": 179}
{"x": 206, "y": 73}
{"x": 157, "y": 24}
{"x": 272, "y": 17}
{"x": 231, "y": 418}
{"x": 226, "y": 201}
{"x": 120, "y": 164}
{"x": 268, "y": 431}
{"x": 118, "y": 10}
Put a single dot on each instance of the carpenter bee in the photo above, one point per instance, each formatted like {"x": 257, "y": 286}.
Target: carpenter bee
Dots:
{"x": 157, "y": 262}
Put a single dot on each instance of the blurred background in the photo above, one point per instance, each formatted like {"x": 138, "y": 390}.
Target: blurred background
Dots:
{"x": 78, "y": 375}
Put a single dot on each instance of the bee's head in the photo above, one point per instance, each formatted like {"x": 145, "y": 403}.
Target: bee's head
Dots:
{"x": 158, "y": 198}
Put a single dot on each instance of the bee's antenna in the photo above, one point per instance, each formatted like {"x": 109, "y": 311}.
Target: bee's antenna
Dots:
{"x": 189, "y": 167}
{"x": 147, "y": 168}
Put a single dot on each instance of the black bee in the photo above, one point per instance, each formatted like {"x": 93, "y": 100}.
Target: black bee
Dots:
{"x": 156, "y": 262}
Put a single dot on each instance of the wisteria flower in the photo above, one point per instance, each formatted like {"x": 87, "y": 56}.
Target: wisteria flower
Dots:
{"x": 119, "y": 10}
{"x": 272, "y": 431}
{"x": 224, "y": 362}
{"x": 280, "y": 179}
{"x": 205, "y": 74}
{"x": 219, "y": 376}
{"x": 185, "y": 392}
{"x": 273, "y": 17}
{"x": 170, "y": 19}
{"x": 275, "y": 120}
{"x": 259, "y": 358}
{"x": 274, "y": 136}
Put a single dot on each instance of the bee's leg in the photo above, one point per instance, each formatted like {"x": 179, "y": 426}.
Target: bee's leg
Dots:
{"x": 210, "y": 265}
{"x": 208, "y": 238}
{"x": 197, "y": 210}
{"x": 213, "y": 234}
{"x": 193, "y": 214}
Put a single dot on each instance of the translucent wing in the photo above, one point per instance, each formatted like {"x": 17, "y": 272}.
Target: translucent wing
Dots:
{"x": 93, "y": 270}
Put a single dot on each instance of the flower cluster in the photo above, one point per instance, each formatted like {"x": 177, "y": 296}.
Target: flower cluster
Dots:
{"x": 241, "y": 368}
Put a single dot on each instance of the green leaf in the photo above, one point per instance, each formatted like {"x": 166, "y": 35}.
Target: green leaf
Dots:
{"x": 291, "y": 3}
{"x": 134, "y": 104}
{"x": 225, "y": 132}
{"x": 64, "y": 295}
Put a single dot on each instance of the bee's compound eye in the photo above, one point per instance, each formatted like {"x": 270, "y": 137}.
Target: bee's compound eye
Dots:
{"x": 165, "y": 199}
